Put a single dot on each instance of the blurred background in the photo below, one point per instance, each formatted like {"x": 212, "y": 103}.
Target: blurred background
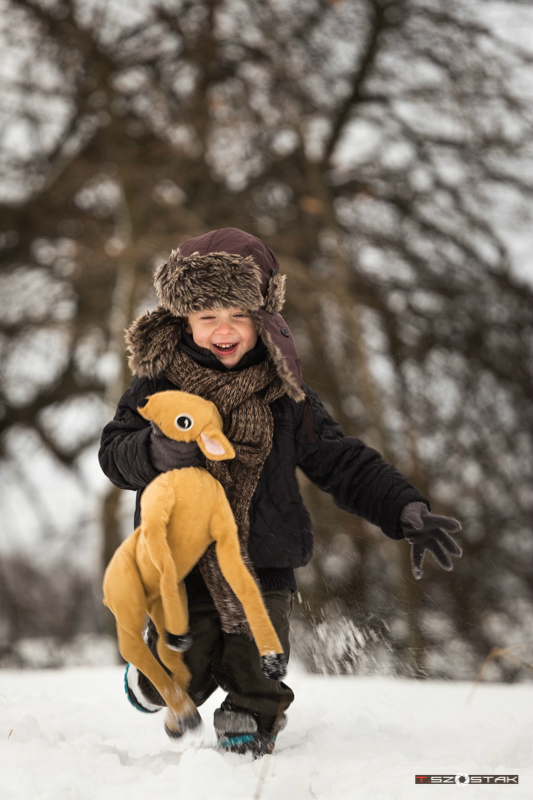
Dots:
{"x": 383, "y": 149}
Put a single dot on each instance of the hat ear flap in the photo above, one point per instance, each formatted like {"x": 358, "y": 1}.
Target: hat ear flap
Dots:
{"x": 275, "y": 293}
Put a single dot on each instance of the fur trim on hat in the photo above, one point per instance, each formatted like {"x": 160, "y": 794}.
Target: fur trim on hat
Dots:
{"x": 275, "y": 293}
{"x": 186, "y": 284}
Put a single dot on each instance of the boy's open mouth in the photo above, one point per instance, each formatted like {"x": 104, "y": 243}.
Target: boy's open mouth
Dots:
{"x": 225, "y": 349}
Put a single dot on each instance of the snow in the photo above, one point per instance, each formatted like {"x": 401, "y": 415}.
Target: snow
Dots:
{"x": 70, "y": 734}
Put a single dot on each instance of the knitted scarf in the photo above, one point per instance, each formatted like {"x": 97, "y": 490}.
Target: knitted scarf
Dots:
{"x": 242, "y": 399}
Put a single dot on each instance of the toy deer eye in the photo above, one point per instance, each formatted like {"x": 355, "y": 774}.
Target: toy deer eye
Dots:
{"x": 184, "y": 422}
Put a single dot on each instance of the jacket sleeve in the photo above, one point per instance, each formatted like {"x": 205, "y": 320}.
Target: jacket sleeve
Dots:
{"x": 124, "y": 453}
{"x": 357, "y": 477}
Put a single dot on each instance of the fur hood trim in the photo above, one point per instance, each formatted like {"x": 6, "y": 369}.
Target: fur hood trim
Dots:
{"x": 151, "y": 341}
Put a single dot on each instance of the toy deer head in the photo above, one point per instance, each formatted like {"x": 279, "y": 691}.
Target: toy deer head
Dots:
{"x": 188, "y": 418}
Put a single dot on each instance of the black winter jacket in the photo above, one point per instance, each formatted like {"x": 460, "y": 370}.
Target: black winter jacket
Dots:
{"x": 305, "y": 436}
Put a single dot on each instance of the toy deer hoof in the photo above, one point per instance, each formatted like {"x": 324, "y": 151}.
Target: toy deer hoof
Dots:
{"x": 179, "y": 643}
{"x": 274, "y": 666}
{"x": 175, "y": 726}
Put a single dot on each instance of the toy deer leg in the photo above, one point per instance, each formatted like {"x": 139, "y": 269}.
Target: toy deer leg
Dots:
{"x": 176, "y": 722}
{"x": 176, "y": 618}
{"x": 173, "y": 597}
{"x": 129, "y": 608}
{"x": 172, "y": 659}
{"x": 224, "y": 531}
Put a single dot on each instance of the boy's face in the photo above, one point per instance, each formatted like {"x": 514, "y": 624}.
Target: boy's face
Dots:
{"x": 228, "y": 332}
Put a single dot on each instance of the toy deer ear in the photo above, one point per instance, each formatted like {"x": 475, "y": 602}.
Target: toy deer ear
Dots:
{"x": 214, "y": 444}
{"x": 142, "y": 407}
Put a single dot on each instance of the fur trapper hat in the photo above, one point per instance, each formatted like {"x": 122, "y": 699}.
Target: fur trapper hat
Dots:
{"x": 226, "y": 267}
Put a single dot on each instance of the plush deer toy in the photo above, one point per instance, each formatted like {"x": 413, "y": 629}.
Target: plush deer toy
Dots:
{"x": 182, "y": 512}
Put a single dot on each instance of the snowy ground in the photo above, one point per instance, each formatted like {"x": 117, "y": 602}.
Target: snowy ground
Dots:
{"x": 71, "y": 735}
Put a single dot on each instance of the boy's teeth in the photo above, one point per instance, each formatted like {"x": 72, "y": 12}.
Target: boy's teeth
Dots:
{"x": 225, "y": 346}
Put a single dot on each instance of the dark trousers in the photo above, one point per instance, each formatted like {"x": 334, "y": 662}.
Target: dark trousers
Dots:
{"x": 231, "y": 661}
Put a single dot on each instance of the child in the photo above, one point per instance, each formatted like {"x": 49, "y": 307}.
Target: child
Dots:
{"x": 218, "y": 333}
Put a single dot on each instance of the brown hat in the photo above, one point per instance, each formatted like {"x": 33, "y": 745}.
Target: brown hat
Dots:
{"x": 222, "y": 268}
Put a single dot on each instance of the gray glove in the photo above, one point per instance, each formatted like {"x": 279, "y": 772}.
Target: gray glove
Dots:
{"x": 166, "y": 454}
{"x": 426, "y": 531}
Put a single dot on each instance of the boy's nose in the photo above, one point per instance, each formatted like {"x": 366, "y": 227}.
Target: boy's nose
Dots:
{"x": 224, "y": 327}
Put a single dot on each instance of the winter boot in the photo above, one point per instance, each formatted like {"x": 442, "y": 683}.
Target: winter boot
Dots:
{"x": 141, "y": 692}
{"x": 238, "y": 732}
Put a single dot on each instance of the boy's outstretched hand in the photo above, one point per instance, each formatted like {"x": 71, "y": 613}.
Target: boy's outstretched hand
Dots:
{"x": 426, "y": 531}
